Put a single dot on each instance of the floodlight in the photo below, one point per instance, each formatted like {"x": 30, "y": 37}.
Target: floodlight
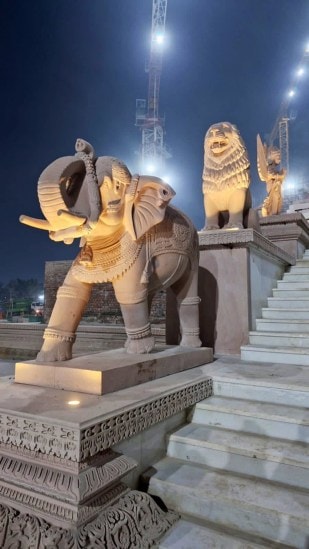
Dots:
{"x": 159, "y": 38}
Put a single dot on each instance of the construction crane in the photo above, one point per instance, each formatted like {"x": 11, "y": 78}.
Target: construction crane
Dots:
{"x": 280, "y": 131}
{"x": 153, "y": 152}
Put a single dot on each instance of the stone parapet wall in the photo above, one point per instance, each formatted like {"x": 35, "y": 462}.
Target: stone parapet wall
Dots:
{"x": 24, "y": 340}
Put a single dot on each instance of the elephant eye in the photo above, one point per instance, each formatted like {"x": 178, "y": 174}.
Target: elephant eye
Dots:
{"x": 117, "y": 186}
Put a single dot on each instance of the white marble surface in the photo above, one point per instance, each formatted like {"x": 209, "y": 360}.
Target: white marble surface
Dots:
{"x": 245, "y": 453}
{"x": 233, "y": 500}
{"x": 53, "y": 404}
{"x": 187, "y": 535}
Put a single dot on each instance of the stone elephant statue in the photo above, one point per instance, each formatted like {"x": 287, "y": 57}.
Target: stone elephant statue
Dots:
{"x": 130, "y": 236}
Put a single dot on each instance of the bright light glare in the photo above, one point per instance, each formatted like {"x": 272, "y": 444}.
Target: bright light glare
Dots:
{"x": 159, "y": 39}
{"x": 41, "y": 297}
{"x": 150, "y": 168}
{"x": 289, "y": 185}
{"x": 291, "y": 93}
{"x": 300, "y": 72}
{"x": 73, "y": 402}
{"x": 307, "y": 48}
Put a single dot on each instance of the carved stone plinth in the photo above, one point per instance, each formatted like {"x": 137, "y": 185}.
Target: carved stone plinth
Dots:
{"x": 110, "y": 371}
{"x": 134, "y": 520}
{"x": 60, "y": 477}
{"x": 289, "y": 231}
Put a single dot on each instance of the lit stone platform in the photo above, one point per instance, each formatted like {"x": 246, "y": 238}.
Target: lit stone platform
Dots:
{"x": 109, "y": 371}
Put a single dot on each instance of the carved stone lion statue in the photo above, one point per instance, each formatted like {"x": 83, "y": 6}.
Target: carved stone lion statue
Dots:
{"x": 226, "y": 178}
{"x": 130, "y": 236}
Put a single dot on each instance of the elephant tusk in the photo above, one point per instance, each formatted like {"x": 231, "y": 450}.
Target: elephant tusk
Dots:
{"x": 73, "y": 219}
{"x": 36, "y": 223}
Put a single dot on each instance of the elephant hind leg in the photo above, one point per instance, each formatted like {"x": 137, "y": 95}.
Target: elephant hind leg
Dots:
{"x": 185, "y": 290}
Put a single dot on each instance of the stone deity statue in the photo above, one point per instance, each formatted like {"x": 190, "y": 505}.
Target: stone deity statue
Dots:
{"x": 268, "y": 161}
{"x": 129, "y": 235}
{"x": 226, "y": 178}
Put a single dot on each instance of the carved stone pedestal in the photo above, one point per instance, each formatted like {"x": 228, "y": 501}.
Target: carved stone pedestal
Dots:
{"x": 238, "y": 270}
{"x": 61, "y": 476}
{"x": 288, "y": 231}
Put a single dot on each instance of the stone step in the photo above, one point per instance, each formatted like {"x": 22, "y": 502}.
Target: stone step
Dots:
{"x": 256, "y": 455}
{"x": 286, "y": 384}
{"x": 251, "y": 505}
{"x": 274, "y": 420}
{"x": 285, "y": 292}
{"x": 279, "y": 339}
{"x": 288, "y": 302}
{"x": 295, "y": 277}
{"x": 186, "y": 534}
{"x": 299, "y": 269}
{"x": 302, "y": 262}
{"x": 297, "y": 355}
{"x": 285, "y": 314}
{"x": 277, "y": 325}
{"x": 293, "y": 285}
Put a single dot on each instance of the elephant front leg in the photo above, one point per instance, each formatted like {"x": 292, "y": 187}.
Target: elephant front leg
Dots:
{"x": 138, "y": 329}
{"x": 59, "y": 336}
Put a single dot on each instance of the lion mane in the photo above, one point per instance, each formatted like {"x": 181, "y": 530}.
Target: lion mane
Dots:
{"x": 226, "y": 162}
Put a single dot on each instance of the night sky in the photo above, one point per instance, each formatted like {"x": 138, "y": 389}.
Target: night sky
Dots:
{"x": 74, "y": 68}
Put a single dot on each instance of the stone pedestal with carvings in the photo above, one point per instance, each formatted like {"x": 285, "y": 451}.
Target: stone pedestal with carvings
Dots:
{"x": 63, "y": 456}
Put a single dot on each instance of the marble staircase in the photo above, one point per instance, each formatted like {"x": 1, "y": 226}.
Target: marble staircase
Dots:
{"x": 282, "y": 334}
{"x": 238, "y": 473}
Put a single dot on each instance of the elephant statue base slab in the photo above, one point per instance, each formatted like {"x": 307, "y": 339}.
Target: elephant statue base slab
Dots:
{"x": 110, "y": 371}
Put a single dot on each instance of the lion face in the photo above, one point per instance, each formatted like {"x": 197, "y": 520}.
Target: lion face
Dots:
{"x": 219, "y": 138}
{"x": 226, "y": 162}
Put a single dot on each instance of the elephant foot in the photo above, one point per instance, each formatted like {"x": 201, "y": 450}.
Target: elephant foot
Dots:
{"x": 234, "y": 226}
{"x": 54, "y": 351}
{"x": 210, "y": 228}
{"x": 189, "y": 340}
{"x": 140, "y": 340}
{"x": 140, "y": 346}
{"x": 57, "y": 346}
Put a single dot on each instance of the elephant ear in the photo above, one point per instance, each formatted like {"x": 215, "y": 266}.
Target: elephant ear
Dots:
{"x": 146, "y": 201}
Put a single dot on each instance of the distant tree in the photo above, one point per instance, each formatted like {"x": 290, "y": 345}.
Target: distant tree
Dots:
{"x": 20, "y": 288}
